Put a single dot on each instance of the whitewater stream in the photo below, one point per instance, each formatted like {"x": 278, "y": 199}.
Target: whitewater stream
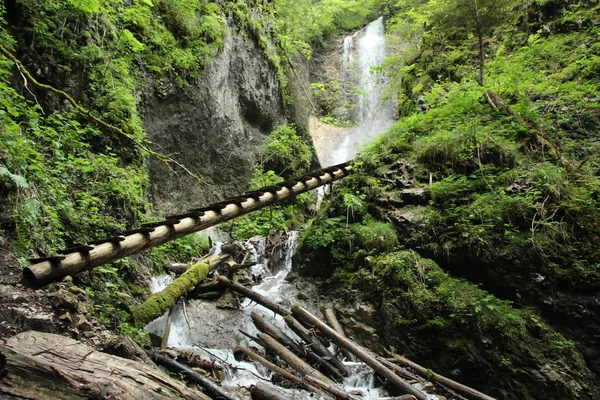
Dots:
{"x": 214, "y": 332}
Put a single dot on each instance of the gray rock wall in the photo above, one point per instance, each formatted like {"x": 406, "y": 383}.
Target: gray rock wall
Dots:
{"x": 214, "y": 127}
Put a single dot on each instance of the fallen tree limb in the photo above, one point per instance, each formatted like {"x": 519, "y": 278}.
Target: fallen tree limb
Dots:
{"x": 341, "y": 341}
{"x": 41, "y": 366}
{"x": 430, "y": 375}
{"x": 252, "y": 295}
{"x": 306, "y": 353}
{"x": 209, "y": 386}
{"x": 315, "y": 344}
{"x": 243, "y": 348}
{"x": 335, "y": 324}
{"x": 165, "y": 338}
{"x": 291, "y": 359}
{"x": 158, "y": 303}
{"x": 260, "y": 391}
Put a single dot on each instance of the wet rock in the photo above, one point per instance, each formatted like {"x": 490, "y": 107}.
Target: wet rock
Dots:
{"x": 64, "y": 299}
{"x": 83, "y": 324}
{"x": 243, "y": 277}
{"x": 216, "y": 126}
{"x": 415, "y": 196}
{"x": 228, "y": 301}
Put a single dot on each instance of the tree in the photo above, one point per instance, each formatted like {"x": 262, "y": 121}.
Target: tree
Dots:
{"x": 479, "y": 17}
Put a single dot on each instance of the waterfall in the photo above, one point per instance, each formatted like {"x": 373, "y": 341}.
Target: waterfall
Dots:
{"x": 362, "y": 93}
{"x": 213, "y": 332}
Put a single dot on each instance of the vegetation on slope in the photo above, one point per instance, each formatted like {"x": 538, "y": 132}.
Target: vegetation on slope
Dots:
{"x": 513, "y": 201}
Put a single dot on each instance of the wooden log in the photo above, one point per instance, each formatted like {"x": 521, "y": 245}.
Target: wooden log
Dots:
{"x": 305, "y": 353}
{"x": 291, "y": 359}
{"x": 382, "y": 370}
{"x": 252, "y": 295}
{"x": 42, "y": 366}
{"x": 177, "y": 268}
{"x": 315, "y": 344}
{"x": 335, "y": 324}
{"x": 165, "y": 339}
{"x": 260, "y": 391}
{"x": 49, "y": 270}
{"x": 193, "y": 358}
{"x": 158, "y": 303}
{"x": 430, "y": 375}
{"x": 243, "y": 348}
{"x": 209, "y": 386}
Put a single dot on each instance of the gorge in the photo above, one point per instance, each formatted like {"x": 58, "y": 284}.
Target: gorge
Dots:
{"x": 463, "y": 238}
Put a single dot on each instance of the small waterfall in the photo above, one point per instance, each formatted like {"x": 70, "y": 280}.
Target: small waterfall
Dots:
{"x": 362, "y": 91}
{"x": 215, "y": 331}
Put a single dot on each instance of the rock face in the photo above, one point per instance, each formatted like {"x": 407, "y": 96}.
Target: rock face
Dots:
{"x": 215, "y": 127}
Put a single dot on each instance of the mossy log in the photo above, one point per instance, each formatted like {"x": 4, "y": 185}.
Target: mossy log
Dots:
{"x": 358, "y": 351}
{"x": 158, "y": 303}
{"x": 41, "y": 366}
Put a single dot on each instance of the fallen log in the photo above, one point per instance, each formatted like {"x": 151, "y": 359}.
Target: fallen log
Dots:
{"x": 252, "y": 295}
{"x": 315, "y": 344}
{"x": 306, "y": 353}
{"x": 41, "y": 366}
{"x": 177, "y": 268}
{"x": 260, "y": 391}
{"x": 194, "y": 359}
{"x": 335, "y": 324}
{"x": 377, "y": 366}
{"x": 243, "y": 348}
{"x": 209, "y": 386}
{"x": 290, "y": 358}
{"x": 165, "y": 338}
{"x": 430, "y": 375}
{"x": 158, "y": 303}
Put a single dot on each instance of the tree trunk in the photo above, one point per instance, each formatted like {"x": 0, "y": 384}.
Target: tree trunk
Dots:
{"x": 209, "y": 386}
{"x": 41, "y": 366}
{"x": 382, "y": 370}
{"x": 260, "y": 391}
{"x": 306, "y": 353}
{"x": 481, "y": 59}
{"x": 290, "y": 358}
{"x": 315, "y": 344}
{"x": 430, "y": 375}
{"x": 335, "y": 324}
{"x": 83, "y": 258}
{"x": 243, "y": 348}
{"x": 158, "y": 303}
{"x": 252, "y": 295}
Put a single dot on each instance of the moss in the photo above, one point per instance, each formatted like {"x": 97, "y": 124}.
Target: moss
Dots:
{"x": 160, "y": 302}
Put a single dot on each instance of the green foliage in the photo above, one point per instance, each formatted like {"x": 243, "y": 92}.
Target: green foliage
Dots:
{"x": 285, "y": 215}
{"x": 286, "y": 151}
{"x": 375, "y": 236}
{"x": 181, "y": 250}
{"x": 302, "y": 24}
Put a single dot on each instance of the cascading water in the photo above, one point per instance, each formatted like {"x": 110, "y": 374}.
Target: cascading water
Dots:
{"x": 363, "y": 88}
{"x": 213, "y": 331}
